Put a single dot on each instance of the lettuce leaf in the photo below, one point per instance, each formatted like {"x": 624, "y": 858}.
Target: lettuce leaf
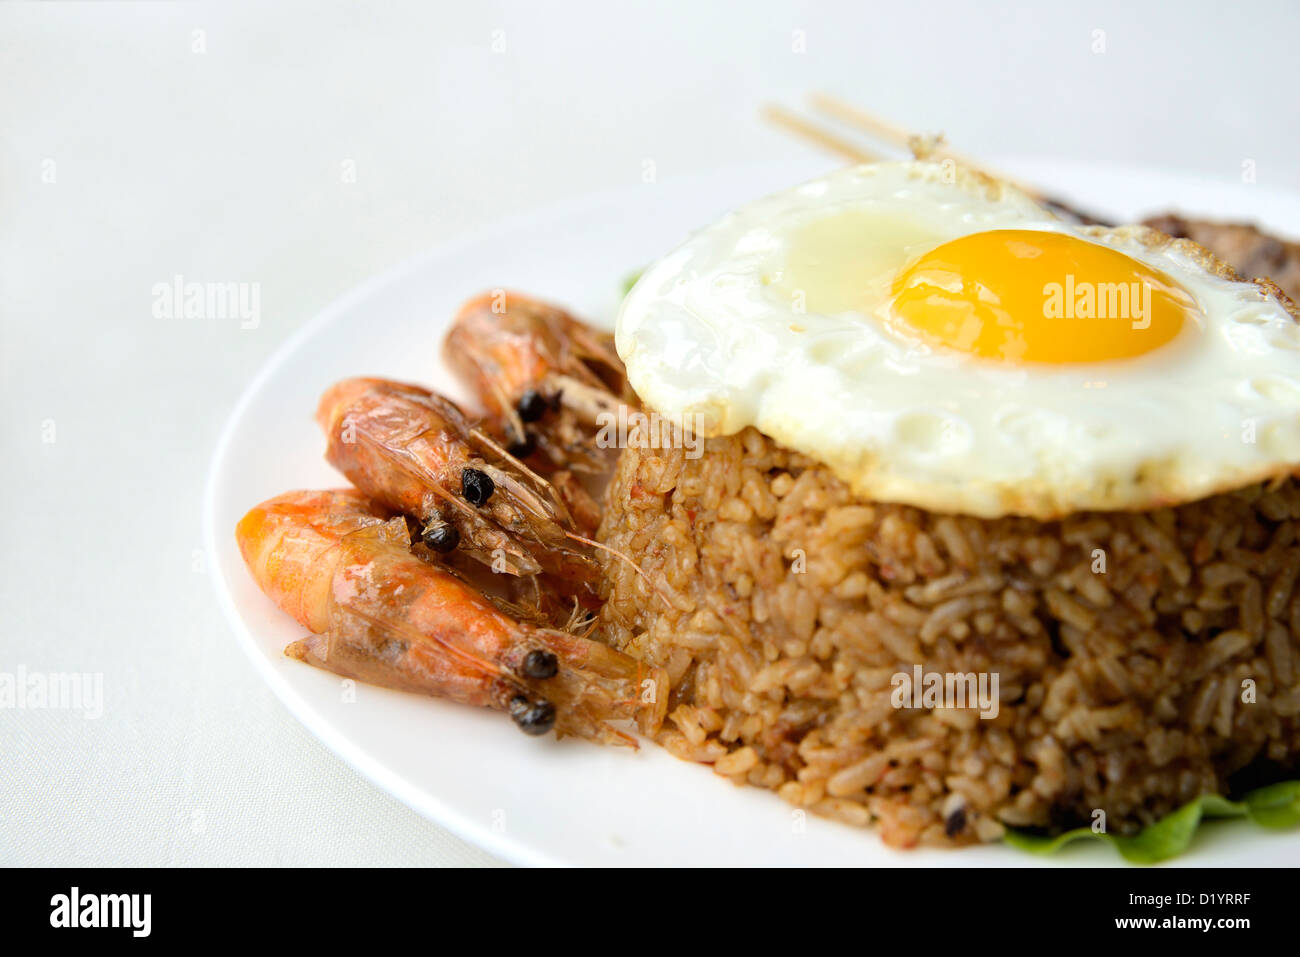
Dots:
{"x": 630, "y": 280}
{"x": 1275, "y": 806}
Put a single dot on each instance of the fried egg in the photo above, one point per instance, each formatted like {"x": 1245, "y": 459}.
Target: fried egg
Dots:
{"x": 939, "y": 338}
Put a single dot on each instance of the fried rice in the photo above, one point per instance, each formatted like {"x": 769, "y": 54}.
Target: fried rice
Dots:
{"x": 1143, "y": 658}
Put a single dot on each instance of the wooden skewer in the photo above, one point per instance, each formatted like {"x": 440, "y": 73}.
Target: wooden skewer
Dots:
{"x": 834, "y": 106}
{"x": 815, "y": 134}
{"x": 862, "y": 120}
{"x": 865, "y": 122}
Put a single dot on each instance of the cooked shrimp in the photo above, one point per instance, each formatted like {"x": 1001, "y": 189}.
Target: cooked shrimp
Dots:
{"x": 544, "y": 375}
{"x": 378, "y": 614}
{"x": 416, "y": 452}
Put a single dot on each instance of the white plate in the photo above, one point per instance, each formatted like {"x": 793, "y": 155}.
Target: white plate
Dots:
{"x": 540, "y": 801}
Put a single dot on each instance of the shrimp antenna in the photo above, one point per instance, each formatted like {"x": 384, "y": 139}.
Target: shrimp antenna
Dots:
{"x": 593, "y": 622}
{"x": 615, "y": 552}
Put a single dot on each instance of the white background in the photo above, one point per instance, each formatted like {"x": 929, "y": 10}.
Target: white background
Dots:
{"x": 227, "y": 163}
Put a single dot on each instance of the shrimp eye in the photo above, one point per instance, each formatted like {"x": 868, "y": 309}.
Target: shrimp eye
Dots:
{"x": 523, "y": 447}
{"x": 476, "y": 486}
{"x": 532, "y": 405}
{"x": 440, "y": 536}
{"x": 533, "y": 717}
{"x": 540, "y": 664}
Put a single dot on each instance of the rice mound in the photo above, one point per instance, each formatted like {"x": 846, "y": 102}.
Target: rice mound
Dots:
{"x": 1143, "y": 658}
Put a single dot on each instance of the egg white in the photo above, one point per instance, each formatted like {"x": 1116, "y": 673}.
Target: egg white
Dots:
{"x": 716, "y": 335}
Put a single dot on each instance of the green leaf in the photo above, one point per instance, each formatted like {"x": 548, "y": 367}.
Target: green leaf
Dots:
{"x": 1277, "y": 805}
{"x": 1274, "y": 806}
{"x": 630, "y": 280}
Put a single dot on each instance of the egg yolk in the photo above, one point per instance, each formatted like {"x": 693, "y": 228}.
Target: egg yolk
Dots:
{"x": 1021, "y": 295}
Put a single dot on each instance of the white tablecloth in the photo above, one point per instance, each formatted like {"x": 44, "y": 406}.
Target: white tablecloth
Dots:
{"x": 306, "y": 147}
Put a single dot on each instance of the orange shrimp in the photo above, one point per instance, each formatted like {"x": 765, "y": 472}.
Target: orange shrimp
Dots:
{"x": 415, "y": 451}
{"x": 546, "y": 377}
{"x": 378, "y": 614}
